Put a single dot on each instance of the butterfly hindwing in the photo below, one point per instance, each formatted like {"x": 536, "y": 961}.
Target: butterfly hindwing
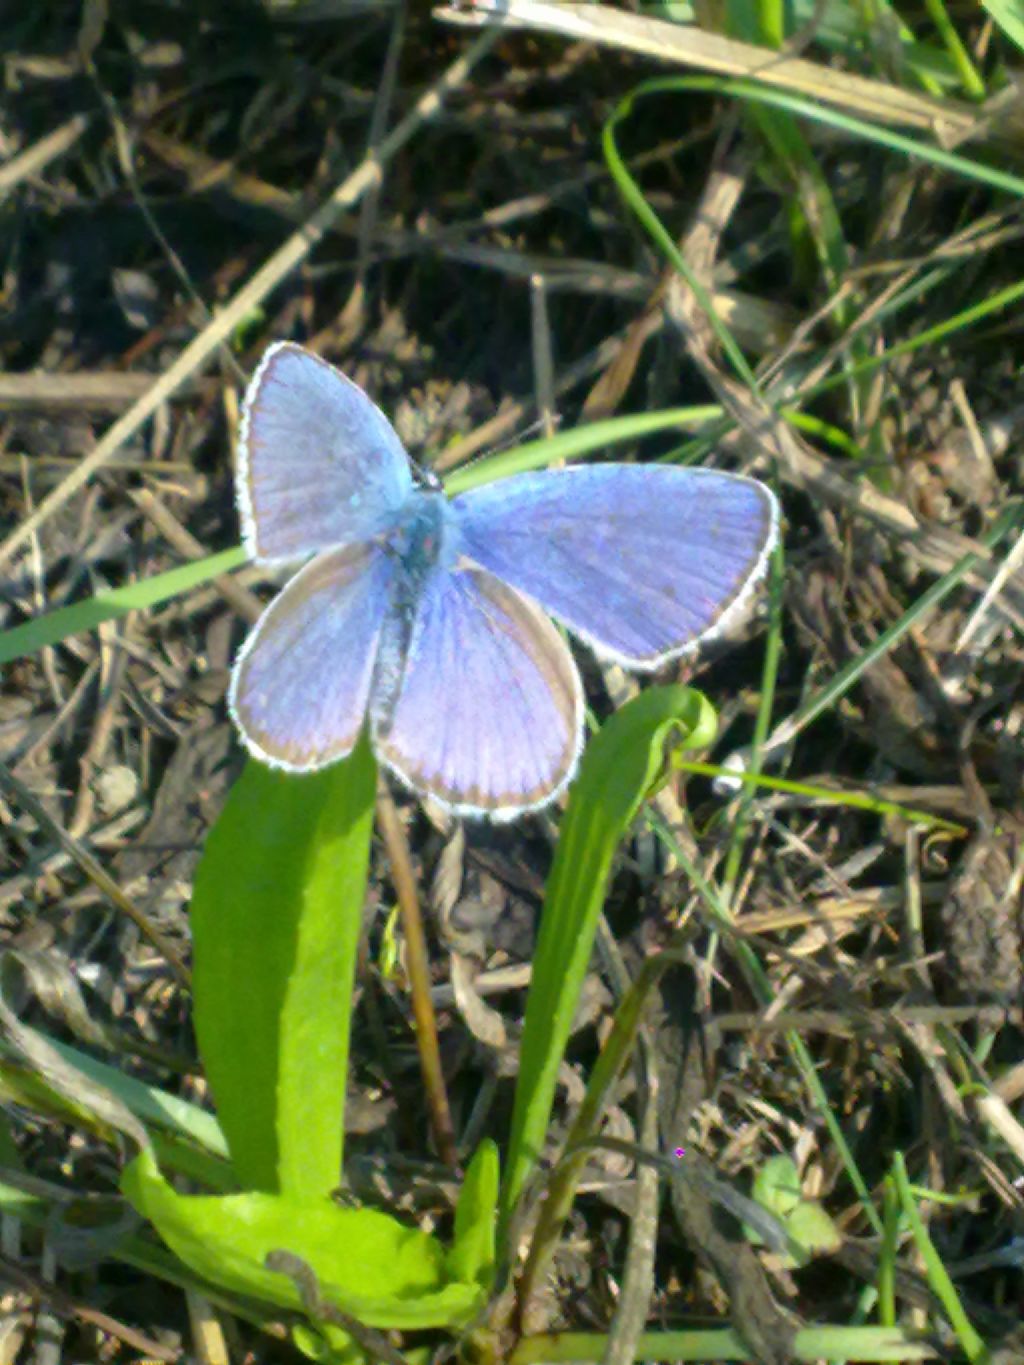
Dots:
{"x": 484, "y": 709}
{"x": 301, "y": 683}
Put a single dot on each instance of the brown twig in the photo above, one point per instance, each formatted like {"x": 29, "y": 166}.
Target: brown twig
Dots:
{"x": 68, "y": 1307}
{"x": 417, "y": 965}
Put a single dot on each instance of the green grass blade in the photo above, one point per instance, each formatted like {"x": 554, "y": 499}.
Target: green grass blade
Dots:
{"x": 1009, "y": 15}
{"x": 611, "y": 1061}
{"x": 618, "y": 768}
{"x": 634, "y": 198}
{"x": 755, "y": 780}
{"x": 938, "y": 1276}
{"x": 818, "y": 1343}
{"x": 719, "y": 914}
{"x": 967, "y": 317}
{"x": 953, "y": 162}
{"x": 970, "y": 79}
{"x": 155, "y": 1107}
{"x": 572, "y": 445}
{"x": 766, "y": 701}
{"x": 80, "y": 616}
{"x": 840, "y": 683}
{"x": 886, "y": 1273}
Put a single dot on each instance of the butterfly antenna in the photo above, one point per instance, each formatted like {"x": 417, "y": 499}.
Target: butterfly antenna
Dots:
{"x": 481, "y": 449}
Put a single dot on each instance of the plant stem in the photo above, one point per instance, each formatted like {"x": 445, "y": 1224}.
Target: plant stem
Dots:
{"x": 417, "y": 966}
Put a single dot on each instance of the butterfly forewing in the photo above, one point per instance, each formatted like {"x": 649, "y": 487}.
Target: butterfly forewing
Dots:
{"x": 319, "y": 464}
{"x": 640, "y": 561}
{"x": 301, "y": 684}
{"x": 484, "y": 710}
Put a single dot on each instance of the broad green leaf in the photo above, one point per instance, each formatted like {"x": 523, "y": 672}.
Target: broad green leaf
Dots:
{"x": 777, "y": 1186}
{"x": 619, "y": 766}
{"x": 471, "y": 1259}
{"x": 327, "y": 1343}
{"x": 276, "y": 917}
{"x": 809, "y": 1228}
{"x": 365, "y": 1263}
{"x": 813, "y": 1231}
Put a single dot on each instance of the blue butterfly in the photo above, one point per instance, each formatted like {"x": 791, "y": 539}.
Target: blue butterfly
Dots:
{"x": 427, "y": 618}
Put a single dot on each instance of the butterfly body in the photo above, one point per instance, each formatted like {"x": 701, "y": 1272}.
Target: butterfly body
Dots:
{"x": 423, "y": 536}
{"x": 427, "y": 618}
{"x": 421, "y": 543}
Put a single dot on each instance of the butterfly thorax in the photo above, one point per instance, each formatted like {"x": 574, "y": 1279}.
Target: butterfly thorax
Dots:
{"x": 421, "y": 536}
